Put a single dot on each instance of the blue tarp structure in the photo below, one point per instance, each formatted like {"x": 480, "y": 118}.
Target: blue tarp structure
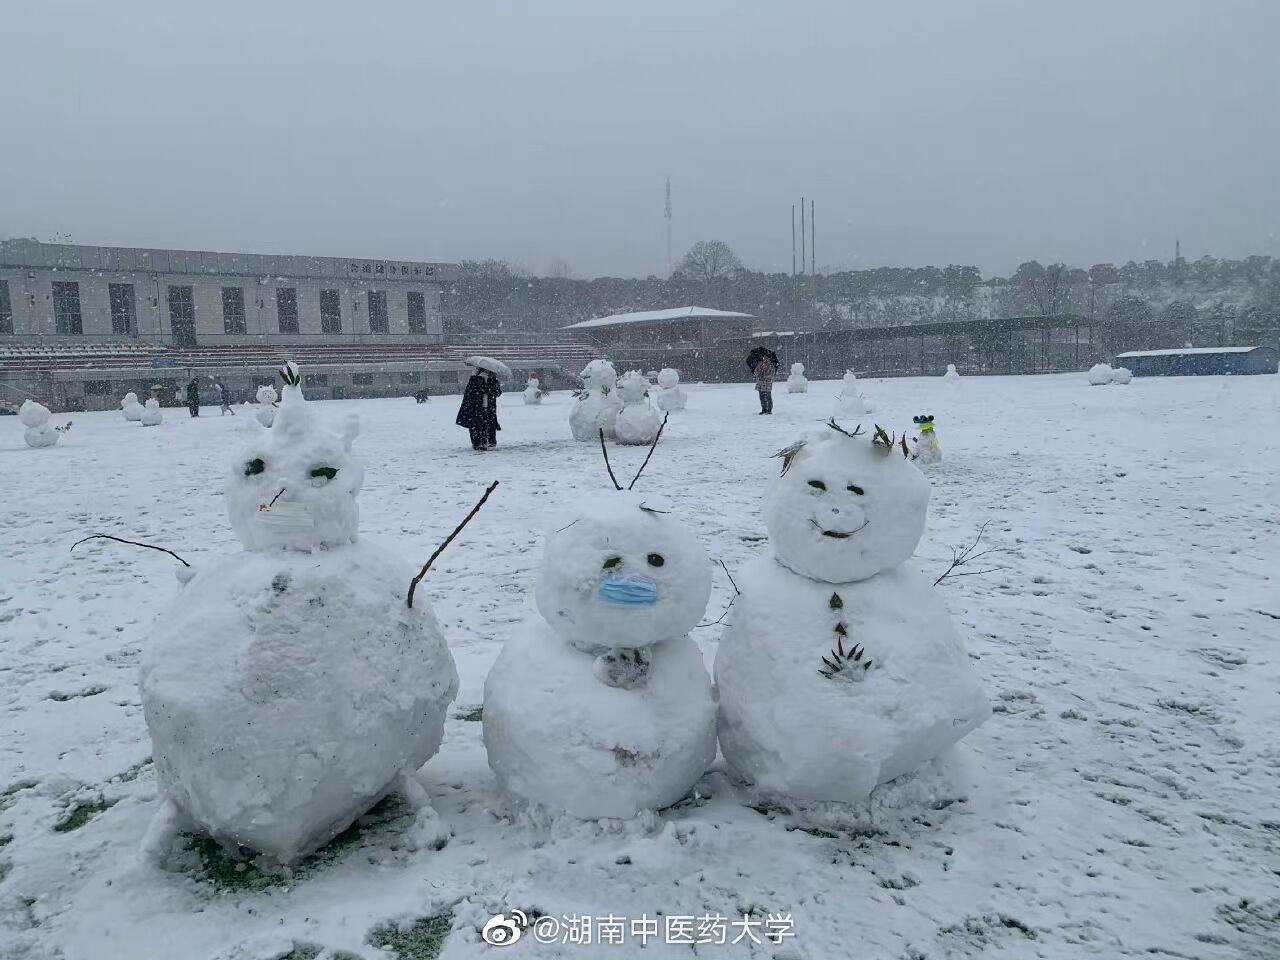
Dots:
{"x": 1200, "y": 361}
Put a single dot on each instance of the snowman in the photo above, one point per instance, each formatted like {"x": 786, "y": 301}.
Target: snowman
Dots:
{"x": 266, "y": 412}
{"x": 597, "y": 409}
{"x": 533, "y": 392}
{"x": 952, "y": 375}
{"x": 599, "y": 705}
{"x": 291, "y": 686}
{"x": 926, "y": 448}
{"x": 671, "y": 397}
{"x": 849, "y": 402}
{"x": 841, "y": 669}
{"x": 637, "y": 423}
{"x": 1101, "y": 374}
{"x": 35, "y": 417}
{"x": 797, "y": 382}
{"x": 1121, "y": 375}
{"x": 130, "y": 407}
{"x": 152, "y": 416}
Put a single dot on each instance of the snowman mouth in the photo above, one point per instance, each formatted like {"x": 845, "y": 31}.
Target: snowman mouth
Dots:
{"x": 839, "y": 534}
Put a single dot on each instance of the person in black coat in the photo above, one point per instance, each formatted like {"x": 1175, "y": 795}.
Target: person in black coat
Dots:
{"x": 193, "y": 397}
{"x": 479, "y": 410}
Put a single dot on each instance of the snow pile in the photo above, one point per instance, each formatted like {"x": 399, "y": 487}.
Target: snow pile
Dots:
{"x": 533, "y": 392}
{"x": 797, "y": 382}
{"x": 266, "y": 412}
{"x": 35, "y": 417}
{"x": 601, "y": 707}
{"x": 849, "y": 402}
{"x": 291, "y": 686}
{"x": 130, "y": 407}
{"x": 637, "y": 423}
{"x": 1121, "y": 375}
{"x": 598, "y": 408}
{"x": 952, "y": 374}
{"x": 841, "y": 668}
{"x": 671, "y": 396}
{"x": 152, "y": 415}
{"x": 925, "y": 447}
{"x": 1100, "y": 374}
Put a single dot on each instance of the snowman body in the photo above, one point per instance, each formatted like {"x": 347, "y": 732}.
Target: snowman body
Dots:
{"x": 1101, "y": 374}
{"x": 1121, "y": 375}
{"x": 35, "y": 417}
{"x": 599, "y": 407}
{"x": 266, "y": 412}
{"x": 533, "y": 392}
{"x": 152, "y": 415}
{"x": 850, "y": 403}
{"x": 952, "y": 374}
{"x": 131, "y": 408}
{"x": 637, "y": 423}
{"x": 841, "y": 669}
{"x": 599, "y": 705}
{"x": 797, "y": 382}
{"x": 671, "y": 396}
{"x": 291, "y": 686}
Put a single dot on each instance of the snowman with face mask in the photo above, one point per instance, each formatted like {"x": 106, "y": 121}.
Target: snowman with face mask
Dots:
{"x": 291, "y": 687}
{"x": 842, "y": 669}
{"x": 599, "y": 705}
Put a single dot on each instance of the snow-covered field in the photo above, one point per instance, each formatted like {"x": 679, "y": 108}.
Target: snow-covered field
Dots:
{"x": 1124, "y": 800}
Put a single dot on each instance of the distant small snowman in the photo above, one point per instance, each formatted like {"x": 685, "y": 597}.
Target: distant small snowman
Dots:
{"x": 925, "y": 448}
{"x": 598, "y": 406}
{"x": 797, "y": 382}
{"x": 35, "y": 417}
{"x": 533, "y": 392}
{"x": 291, "y": 686}
{"x": 1101, "y": 374}
{"x": 952, "y": 375}
{"x": 841, "y": 668}
{"x": 131, "y": 408}
{"x": 850, "y": 403}
{"x": 599, "y": 705}
{"x": 637, "y": 423}
{"x": 671, "y": 397}
{"x": 152, "y": 415}
{"x": 266, "y": 412}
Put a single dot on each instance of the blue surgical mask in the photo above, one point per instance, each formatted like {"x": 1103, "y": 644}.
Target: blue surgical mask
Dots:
{"x": 628, "y": 591}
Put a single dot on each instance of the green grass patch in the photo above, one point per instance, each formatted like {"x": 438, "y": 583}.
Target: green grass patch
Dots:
{"x": 474, "y": 714}
{"x": 422, "y": 941}
{"x": 81, "y": 814}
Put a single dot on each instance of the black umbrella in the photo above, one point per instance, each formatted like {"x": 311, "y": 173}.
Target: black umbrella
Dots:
{"x": 757, "y": 353}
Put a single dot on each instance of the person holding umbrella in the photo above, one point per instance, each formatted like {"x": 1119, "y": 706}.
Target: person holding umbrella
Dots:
{"x": 479, "y": 410}
{"x": 763, "y": 362}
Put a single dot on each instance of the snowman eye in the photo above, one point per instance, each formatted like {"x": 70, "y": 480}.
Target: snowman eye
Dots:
{"x": 612, "y": 562}
{"x": 254, "y": 467}
{"x": 854, "y": 488}
{"x": 817, "y": 484}
{"x": 327, "y": 473}
{"x": 656, "y": 559}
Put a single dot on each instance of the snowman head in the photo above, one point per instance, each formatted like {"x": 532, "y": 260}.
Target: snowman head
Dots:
{"x": 797, "y": 369}
{"x": 533, "y": 383}
{"x": 130, "y": 400}
{"x": 32, "y": 414}
{"x": 599, "y": 375}
{"x": 619, "y": 571}
{"x": 295, "y": 485}
{"x": 668, "y": 378}
{"x": 632, "y": 387}
{"x": 846, "y": 507}
{"x": 849, "y": 379}
{"x": 266, "y": 394}
{"x": 951, "y": 368}
{"x": 152, "y": 404}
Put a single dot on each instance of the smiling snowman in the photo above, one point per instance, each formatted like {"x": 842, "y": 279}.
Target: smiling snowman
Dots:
{"x": 291, "y": 686}
{"x": 600, "y": 705}
{"x": 841, "y": 669}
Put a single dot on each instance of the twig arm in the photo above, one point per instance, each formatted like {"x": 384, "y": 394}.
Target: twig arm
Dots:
{"x": 652, "y": 447}
{"x": 413, "y": 586}
{"x": 605, "y": 450}
{"x": 149, "y": 546}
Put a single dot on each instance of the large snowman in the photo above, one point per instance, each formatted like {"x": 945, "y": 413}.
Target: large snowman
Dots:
{"x": 599, "y": 406}
{"x": 291, "y": 686}
{"x": 671, "y": 397}
{"x": 130, "y": 407}
{"x": 601, "y": 705}
{"x": 797, "y": 382}
{"x": 841, "y": 669}
{"x": 35, "y": 417}
{"x": 637, "y": 423}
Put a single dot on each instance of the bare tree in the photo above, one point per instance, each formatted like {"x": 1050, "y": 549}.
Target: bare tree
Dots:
{"x": 559, "y": 269}
{"x": 710, "y": 260}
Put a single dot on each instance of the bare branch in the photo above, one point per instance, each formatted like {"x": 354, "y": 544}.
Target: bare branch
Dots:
{"x": 653, "y": 446}
{"x": 959, "y": 557}
{"x": 448, "y": 540}
{"x": 149, "y": 546}
{"x": 605, "y": 451}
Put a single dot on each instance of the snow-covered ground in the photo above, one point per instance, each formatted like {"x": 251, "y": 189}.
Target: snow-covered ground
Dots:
{"x": 1124, "y": 800}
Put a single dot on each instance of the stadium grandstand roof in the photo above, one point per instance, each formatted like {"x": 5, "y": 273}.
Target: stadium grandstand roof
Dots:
{"x": 659, "y": 316}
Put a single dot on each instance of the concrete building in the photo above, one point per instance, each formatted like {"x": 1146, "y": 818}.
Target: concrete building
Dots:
{"x": 188, "y": 298}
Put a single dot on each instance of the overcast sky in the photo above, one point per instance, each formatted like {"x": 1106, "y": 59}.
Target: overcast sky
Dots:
{"x": 982, "y": 132}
